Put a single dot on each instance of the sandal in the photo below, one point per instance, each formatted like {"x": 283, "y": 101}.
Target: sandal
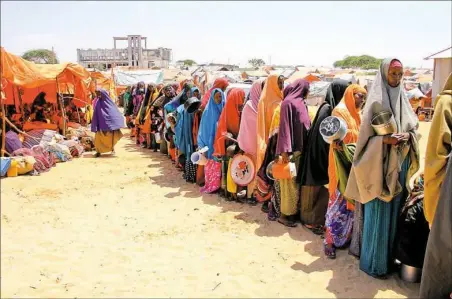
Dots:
{"x": 251, "y": 201}
{"x": 330, "y": 252}
{"x": 316, "y": 229}
{"x": 264, "y": 207}
{"x": 284, "y": 221}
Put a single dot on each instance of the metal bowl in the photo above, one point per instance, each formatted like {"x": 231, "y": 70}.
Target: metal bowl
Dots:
{"x": 384, "y": 123}
{"x": 333, "y": 128}
{"x": 269, "y": 171}
{"x": 410, "y": 274}
{"x": 192, "y": 104}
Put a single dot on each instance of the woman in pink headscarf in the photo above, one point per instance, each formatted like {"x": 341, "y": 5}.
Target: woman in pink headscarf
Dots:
{"x": 247, "y": 132}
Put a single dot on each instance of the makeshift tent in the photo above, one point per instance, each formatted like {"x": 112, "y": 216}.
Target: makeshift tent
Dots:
{"x": 128, "y": 78}
{"x": 317, "y": 92}
{"x": 33, "y": 78}
{"x": 442, "y": 69}
{"x": 312, "y": 78}
{"x": 104, "y": 81}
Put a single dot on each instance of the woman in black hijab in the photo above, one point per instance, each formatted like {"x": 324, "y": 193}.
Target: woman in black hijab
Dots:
{"x": 38, "y": 107}
{"x": 314, "y": 174}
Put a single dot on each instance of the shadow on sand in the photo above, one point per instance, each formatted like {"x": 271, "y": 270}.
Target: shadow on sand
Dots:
{"x": 345, "y": 272}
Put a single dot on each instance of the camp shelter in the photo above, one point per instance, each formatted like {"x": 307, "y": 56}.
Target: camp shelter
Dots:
{"x": 317, "y": 92}
{"x": 32, "y": 79}
{"x": 442, "y": 69}
{"x": 312, "y": 78}
{"x": 105, "y": 81}
{"x": 133, "y": 77}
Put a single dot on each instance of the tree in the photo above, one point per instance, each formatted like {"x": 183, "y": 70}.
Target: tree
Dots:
{"x": 41, "y": 56}
{"x": 187, "y": 62}
{"x": 256, "y": 62}
{"x": 365, "y": 62}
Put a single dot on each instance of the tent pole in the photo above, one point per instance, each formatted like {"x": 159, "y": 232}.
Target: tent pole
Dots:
{"x": 63, "y": 113}
{"x": 3, "y": 129}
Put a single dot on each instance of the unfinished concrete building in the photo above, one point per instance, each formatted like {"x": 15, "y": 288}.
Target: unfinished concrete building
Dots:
{"x": 135, "y": 55}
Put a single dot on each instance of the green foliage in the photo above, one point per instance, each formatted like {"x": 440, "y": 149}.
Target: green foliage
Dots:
{"x": 256, "y": 62}
{"x": 41, "y": 56}
{"x": 365, "y": 62}
{"x": 187, "y": 62}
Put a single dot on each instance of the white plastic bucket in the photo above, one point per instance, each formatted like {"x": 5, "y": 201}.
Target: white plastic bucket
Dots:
{"x": 158, "y": 139}
{"x": 198, "y": 157}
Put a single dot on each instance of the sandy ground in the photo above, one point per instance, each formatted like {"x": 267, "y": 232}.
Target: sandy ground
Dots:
{"x": 129, "y": 226}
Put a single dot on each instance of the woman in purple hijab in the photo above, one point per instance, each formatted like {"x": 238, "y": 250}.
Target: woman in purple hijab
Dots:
{"x": 293, "y": 133}
{"x": 107, "y": 122}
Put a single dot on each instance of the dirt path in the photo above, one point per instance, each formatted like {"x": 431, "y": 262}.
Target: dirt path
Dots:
{"x": 129, "y": 226}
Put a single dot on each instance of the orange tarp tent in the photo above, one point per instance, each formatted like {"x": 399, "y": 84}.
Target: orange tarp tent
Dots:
{"x": 33, "y": 78}
{"x": 105, "y": 82}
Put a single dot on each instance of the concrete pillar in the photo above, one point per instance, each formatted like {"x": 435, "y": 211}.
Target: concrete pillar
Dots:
{"x": 129, "y": 50}
{"x": 140, "y": 53}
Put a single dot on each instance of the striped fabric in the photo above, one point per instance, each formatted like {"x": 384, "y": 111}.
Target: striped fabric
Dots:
{"x": 35, "y": 139}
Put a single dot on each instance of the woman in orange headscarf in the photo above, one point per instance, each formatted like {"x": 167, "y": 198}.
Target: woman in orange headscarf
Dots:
{"x": 271, "y": 97}
{"x": 229, "y": 122}
{"x": 339, "y": 216}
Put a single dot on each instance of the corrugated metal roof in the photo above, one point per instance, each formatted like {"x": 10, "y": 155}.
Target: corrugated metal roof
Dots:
{"x": 446, "y": 53}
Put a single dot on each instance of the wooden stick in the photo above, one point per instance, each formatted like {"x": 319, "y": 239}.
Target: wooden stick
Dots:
{"x": 3, "y": 128}
{"x": 63, "y": 112}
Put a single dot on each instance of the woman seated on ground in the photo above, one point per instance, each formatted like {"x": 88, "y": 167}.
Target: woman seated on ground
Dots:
{"x": 38, "y": 106}
{"x": 339, "y": 216}
{"x": 382, "y": 168}
{"x": 229, "y": 123}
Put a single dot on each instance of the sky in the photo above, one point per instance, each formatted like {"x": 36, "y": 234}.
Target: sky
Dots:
{"x": 283, "y": 33}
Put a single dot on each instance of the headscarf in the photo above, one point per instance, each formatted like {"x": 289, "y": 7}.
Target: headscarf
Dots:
{"x": 163, "y": 99}
{"x": 371, "y": 155}
{"x": 150, "y": 90}
{"x": 347, "y": 111}
{"x": 255, "y": 93}
{"x": 192, "y": 91}
{"x": 271, "y": 96}
{"x": 180, "y": 99}
{"x": 229, "y": 120}
{"x": 219, "y": 83}
{"x": 184, "y": 127}
{"x": 248, "y": 123}
{"x": 106, "y": 115}
{"x": 137, "y": 99}
{"x": 439, "y": 147}
{"x": 336, "y": 91}
{"x": 209, "y": 119}
{"x": 294, "y": 119}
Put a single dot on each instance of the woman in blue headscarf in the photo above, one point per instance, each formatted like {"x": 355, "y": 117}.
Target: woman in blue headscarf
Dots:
{"x": 107, "y": 122}
{"x": 184, "y": 137}
{"x": 170, "y": 108}
{"x": 206, "y": 137}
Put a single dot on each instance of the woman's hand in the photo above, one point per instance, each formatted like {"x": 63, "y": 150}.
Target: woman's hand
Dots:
{"x": 285, "y": 158}
{"x": 337, "y": 145}
{"x": 397, "y": 138}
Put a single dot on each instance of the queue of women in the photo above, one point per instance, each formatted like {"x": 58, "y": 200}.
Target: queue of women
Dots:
{"x": 353, "y": 192}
